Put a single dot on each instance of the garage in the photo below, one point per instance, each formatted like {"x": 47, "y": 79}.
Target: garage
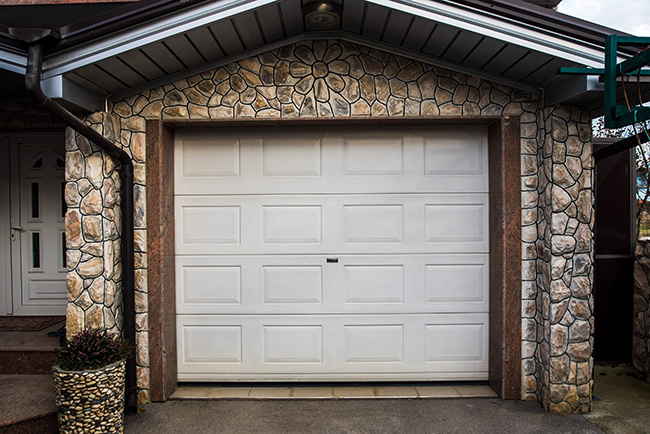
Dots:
{"x": 332, "y": 253}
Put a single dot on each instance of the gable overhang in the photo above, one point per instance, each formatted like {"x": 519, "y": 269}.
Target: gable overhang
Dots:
{"x": 504, "y": 41}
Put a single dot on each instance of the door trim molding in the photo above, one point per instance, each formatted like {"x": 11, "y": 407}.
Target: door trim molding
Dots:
{"x": 505, "y": 241}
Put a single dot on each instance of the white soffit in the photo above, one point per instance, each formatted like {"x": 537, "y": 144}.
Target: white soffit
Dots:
{"x": 145, "y": 34}
{"x": 499, "y": 28}
{"x": 493, "y": 26}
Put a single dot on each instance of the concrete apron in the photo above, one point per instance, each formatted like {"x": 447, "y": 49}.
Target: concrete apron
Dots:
{"x": 621, "y": 400}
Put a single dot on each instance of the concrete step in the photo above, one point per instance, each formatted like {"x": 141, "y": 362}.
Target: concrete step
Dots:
{"x": 27, "y": 404}
{"x": 26, "y": 362}
{"x": 28, "y": 352}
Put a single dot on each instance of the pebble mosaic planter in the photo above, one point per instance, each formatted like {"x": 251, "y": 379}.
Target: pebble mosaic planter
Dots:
{"x": 90, "y": 401}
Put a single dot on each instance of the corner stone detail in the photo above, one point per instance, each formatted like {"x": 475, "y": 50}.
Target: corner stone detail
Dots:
{"x": 92, "y": 225}
{"x": 563, "y": 312}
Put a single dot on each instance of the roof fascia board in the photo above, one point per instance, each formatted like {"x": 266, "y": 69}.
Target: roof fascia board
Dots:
{"x": 571, "y": 88}
{"x": 499, "y": 28}
{"x": 144, "y": 34}
{"x": 72, "y": 94}
{"x": 326, "y": 35}
{"x": 13, "y": 61}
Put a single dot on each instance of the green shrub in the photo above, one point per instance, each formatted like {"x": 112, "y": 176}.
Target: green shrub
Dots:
{"x": 93, "y": 350}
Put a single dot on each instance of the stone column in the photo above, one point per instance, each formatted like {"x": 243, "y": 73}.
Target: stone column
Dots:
{"x": 641, "y": 327}
{"x": 93, "y": 225}
{"x": 565, "y": 262}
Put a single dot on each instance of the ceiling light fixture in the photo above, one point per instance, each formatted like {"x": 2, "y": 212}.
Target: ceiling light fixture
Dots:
{"x": 322, "y": 13}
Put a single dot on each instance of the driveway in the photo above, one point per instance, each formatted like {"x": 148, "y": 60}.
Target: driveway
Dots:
{"x": 354, "y": 416}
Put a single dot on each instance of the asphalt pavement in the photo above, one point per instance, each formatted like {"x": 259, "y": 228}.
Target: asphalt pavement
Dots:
{"x": 353, "y": 416}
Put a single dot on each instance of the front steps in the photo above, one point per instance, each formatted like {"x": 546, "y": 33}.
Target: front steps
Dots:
{"x": 26, "y": 388}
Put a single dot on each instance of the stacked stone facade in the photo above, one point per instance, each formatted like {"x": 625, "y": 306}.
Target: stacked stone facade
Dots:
{"x": 564, "y": 275}
{"x": 93, "y": 226}
{"x": 326, "y": 79}
{"x": 93, "y": 235}
{"x": 641, "y": 325}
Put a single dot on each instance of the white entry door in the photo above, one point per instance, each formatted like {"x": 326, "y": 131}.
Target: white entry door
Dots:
{"x": 37, "y": 227}
{"x": 332, "y": 254}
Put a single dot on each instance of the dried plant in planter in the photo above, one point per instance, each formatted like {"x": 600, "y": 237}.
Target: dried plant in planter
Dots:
{"x": 93, "y": 350}
{"x": 89, "y": 383}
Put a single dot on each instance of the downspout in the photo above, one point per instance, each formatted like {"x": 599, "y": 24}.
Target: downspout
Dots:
{"x": 33, "y": 85}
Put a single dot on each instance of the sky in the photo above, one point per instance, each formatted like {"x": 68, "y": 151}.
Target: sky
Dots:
{"x": 630, "y": 16}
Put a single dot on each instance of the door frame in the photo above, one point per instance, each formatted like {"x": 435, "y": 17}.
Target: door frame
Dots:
{"x": 504, "y": 155}
{"x": 7, "y": 140}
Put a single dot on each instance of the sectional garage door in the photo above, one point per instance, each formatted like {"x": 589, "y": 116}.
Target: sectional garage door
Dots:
{"x": 323, "y": 253}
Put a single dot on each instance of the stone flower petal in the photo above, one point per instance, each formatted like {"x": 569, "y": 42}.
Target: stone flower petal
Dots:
{"x": 335, "y": 82}
{"x": 332, "y": 53}
{"x": 305, "y": 85}
{"x": 299, "y": 69}
{"x": 304, "y": 53}
{"x": 321, "y": 92}
{"x": 339, "y": 67}
{"x": 319, "y": 49}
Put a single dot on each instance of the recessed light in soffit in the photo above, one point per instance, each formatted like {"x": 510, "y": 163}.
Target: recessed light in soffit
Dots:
{"x": 322, "y": 13}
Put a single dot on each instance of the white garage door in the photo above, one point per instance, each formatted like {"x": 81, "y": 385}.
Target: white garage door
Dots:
{"x": 332, "y": 253}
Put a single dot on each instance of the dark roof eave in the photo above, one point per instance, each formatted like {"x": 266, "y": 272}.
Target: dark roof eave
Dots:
{"x": 118, "y": 19}
{"x": 547, "y": 19}
{"x": 144, "y": 10}
{"x": 516, "y": 10}
{"x": 9, "y": 41}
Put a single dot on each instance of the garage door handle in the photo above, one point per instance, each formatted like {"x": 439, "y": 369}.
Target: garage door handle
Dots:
{"x": 332, "y": 260}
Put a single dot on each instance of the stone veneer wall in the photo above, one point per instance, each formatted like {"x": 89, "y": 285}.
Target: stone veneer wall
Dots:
{"x": 641, "y": 327}
{"x": 93, "y": 227}
{"x": 563, "y": 301}
{"x": 324, "y": 79}
{"x": 93, "y": 224}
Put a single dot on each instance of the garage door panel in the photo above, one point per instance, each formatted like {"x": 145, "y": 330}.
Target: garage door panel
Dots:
{"x": 388, "y": 347}
{"x": 373, "y": 156}
{"x": 305, "y": 224}
{"x": 332, "y": 254}
{"x": 295, "y": 284}
{"x": 292, "y": 224}
{"x": 209, "y": 225}
{"x": 309, "y": 284}
{"x": 294, "y": 157}
{"x": 272, "y": 161}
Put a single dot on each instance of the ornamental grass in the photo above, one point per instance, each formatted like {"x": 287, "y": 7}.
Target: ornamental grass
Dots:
{"x": 93, "y": 350}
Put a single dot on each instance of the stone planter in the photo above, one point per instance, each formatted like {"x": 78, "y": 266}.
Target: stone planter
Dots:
{"x": 90, "y": 401}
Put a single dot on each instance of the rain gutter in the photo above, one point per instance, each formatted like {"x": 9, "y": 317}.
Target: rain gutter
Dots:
{"x": 33, "y": 85}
